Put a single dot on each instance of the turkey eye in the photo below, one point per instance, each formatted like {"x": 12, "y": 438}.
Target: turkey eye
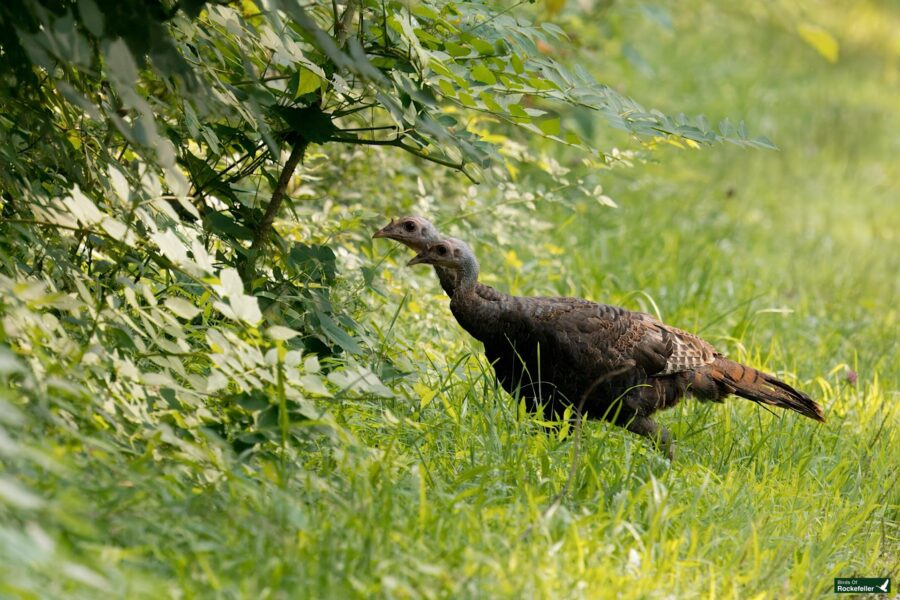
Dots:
{"x": 409, "y": 226}
{"x": 442, "y": 250}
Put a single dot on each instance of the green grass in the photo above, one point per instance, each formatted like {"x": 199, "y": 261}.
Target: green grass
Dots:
{"x": 786, "y": 260}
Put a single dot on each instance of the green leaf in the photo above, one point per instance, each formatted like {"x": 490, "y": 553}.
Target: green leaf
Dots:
{"x": 279, "y": 332}
{"x": 309, "y": 122}
{"x": 457, "y": 50}
{"x": 482, "y": 46}
{"x": 555, "y": 30}
{"x": 484, "y": 75}
{"x": 336, "y": 334}
{"x": 359, "y": 379}
{"x": 181, "y": 308}
{"x": 224, "y": 225}
{"x": 171, "y": 246}
{"x": 422, "y": 10}
{"x": 91, "y": 16}
{"x": 490, "y": 103}
{"x": 517, "y": 64}
{"x": 17, "y": 496}
{"x": 316, "y": 263}
{"x": 314, "y": 384}
{"x": 253, "y": 400}
{"x": 447, "y": 87}
{"x": 121, "y": 65}
{"x": 241, "y": 308}
{"x": 549, "y": 126}
{"x": 307, "y": 82}
{"x": 517, "y": 111}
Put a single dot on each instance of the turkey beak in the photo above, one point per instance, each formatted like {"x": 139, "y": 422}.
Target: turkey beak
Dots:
{"x": 418, "y": 259}
{"x": 383, "y": 232}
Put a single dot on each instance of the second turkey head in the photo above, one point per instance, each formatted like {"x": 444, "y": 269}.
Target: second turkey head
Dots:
{"x": 449, "y": 253}
{"x": 414, "y": 232}
{"x": 453, "y": 255}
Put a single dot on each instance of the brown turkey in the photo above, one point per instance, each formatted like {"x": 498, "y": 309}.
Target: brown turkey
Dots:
{"x": 616, "y": 364}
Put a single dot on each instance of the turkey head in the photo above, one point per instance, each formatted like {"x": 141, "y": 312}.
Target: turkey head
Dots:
{"x": 414, "y": 232}
{"x": 447, "y": 253}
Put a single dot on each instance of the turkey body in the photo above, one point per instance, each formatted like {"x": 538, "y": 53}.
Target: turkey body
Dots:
{"x": 613, "y": 363}
{"x": 608, "y": 362}
{"x": 556, "y": 352}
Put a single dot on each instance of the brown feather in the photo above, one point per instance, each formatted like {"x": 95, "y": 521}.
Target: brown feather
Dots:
{"x": 751, "y": 384}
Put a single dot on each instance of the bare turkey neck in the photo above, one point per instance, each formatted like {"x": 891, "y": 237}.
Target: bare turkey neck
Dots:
{"x": 447, "y": 277}
{"x": 468, "y": 272}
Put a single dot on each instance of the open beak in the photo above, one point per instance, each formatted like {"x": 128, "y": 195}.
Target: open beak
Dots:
{"x": 418, "y": 259}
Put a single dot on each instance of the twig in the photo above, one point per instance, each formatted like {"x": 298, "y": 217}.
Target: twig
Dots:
{"x": 374, "y": 128}
{"x": 350, "y": 111}
{"x": 342, "y": 29}
{"x": 493, "y": 17}
{"x": 261, "y": 236}
{"x": 398, "y": 143}
{"x": 218, "y": 174}
{"x": 259, "y": 80}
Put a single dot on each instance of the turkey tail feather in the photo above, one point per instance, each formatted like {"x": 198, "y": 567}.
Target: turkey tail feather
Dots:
{"x": 751, "y": 384}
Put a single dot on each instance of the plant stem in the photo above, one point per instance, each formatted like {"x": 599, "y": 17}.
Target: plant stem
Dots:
{"x": 248, "y": 266}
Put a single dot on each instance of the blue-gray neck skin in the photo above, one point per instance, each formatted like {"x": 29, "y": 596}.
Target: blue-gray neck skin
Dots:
{"x": 468, "y": 271}
{"x": 446, "y": 277}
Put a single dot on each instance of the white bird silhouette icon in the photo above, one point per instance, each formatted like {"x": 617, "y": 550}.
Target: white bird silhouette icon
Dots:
{"x": 884, "y": 586}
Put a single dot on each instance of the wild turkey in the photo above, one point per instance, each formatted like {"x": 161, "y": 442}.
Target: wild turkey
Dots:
{"x": 615, "y": 364}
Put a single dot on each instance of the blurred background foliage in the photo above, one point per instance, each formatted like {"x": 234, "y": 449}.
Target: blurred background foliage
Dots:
{"x": 216, "y": 382}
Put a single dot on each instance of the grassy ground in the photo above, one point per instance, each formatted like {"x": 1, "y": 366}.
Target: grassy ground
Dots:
{"x": 787, "y": 260}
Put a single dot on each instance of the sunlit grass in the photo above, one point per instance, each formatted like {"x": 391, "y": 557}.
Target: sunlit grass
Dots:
{"x": 781, "y": 259}
{"x": 785, "y": 260}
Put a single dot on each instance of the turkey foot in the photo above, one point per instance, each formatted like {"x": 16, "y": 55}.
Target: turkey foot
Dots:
{"x": 656, "y": 433}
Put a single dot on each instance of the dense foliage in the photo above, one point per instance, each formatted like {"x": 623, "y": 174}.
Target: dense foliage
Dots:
{"x": 211, "y": 383}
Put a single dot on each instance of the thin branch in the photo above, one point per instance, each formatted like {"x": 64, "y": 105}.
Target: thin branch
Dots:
{"x": 76, "y": 229}
{"x": 493, "y": 17}
{"x": 200, "y": 188}
{"x": 261, "y": 80}
{"x": 362, "y": 142}
{"x": 122, "y": 152}
{"x": 342, "y": 30}
{"x": 460, "y": 166}
{"x": 248, "y": 265}
{"x": 376, "y": 128}
{"x": 337, "y": 19}
{"x": 350, "y": 111}
{"x": 398, "y": 143}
